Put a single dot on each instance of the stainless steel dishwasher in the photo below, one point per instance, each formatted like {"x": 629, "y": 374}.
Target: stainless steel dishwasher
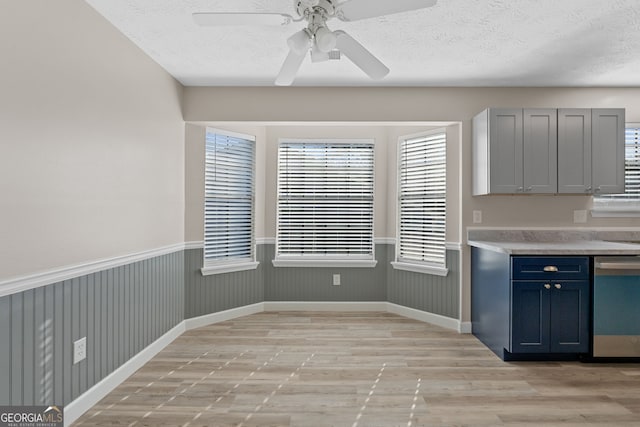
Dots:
{"x": 616, "y": 306}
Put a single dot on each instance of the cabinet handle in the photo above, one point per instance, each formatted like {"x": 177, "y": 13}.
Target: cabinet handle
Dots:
{"x": 519, "y": 189}
{"x": 551, "y": 268}
{"x": 558, "y": 286}
{"x": 529, "y": 188}
{"x": 588, "y": 189}
{"x": 547, "y": 286}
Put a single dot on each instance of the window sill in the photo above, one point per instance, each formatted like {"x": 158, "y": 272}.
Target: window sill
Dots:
{"x": 419, "y": 268}
{"x": 357, "y": 263}
{"x": 615, "y": 213}
{"x": 229, "y": 268}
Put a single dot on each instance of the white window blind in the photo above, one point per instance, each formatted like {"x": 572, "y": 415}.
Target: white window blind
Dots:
{"x": 422, "y": 200}
{"x": 325, "y": 199}
{"x": 229, "y": 198}
{"x": 629, "y": 201}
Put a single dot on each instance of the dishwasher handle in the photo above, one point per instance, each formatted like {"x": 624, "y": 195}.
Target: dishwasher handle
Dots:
{"x": 633, "y": 263}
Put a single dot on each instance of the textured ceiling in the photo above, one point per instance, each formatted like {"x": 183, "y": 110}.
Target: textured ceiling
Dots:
{"x": 455, "y": 43}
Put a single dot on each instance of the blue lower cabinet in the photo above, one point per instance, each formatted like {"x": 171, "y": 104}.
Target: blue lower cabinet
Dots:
{"x": 530, "y": 307}
{"x": 550, "y": 317}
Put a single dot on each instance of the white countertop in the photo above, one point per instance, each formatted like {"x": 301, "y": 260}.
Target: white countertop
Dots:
{"x": 577, "y": 247}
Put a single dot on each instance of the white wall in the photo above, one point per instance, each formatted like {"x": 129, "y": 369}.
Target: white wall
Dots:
{"x": 91, "y": 141}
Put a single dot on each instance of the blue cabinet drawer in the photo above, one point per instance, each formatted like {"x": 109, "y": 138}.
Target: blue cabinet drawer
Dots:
{"x": 550, "y": 268}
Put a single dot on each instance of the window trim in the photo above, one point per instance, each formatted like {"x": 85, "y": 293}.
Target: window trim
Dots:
{"x": 607, "y": 207}
{"x": 356, "y": 261}
{"x": 229, "y": 268}
{"x": 326, "y": 262}
{"x": 211, "y": 267}
{"x": 415, "y": 265}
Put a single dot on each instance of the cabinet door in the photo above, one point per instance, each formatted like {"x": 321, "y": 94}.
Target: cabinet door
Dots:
{"x": 505, "y": 151}
{"x": 530, "y": 317}
{"x": 574, "y": 150}
{"x": 607, "y": 128}
{"x": 540, "y": 150}
{"x": 569, "y": 317}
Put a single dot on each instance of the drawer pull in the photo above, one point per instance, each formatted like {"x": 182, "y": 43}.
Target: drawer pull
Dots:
{"x": 558, "y": 286}
{"x": 550, "y": 268}
{"x": 547, "y": 286}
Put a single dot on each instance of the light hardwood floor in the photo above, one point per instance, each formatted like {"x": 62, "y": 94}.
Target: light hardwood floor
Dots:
{"x": 359, "y": 370}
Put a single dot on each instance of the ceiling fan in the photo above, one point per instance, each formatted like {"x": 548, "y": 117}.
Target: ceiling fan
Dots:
{"x": 317, "y": 38}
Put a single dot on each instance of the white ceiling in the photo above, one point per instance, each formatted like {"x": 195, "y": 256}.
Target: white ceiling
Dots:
{"x": 455, "y": 43}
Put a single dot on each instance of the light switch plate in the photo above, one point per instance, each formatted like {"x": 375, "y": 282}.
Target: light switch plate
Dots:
{"x": 477, "y": 217}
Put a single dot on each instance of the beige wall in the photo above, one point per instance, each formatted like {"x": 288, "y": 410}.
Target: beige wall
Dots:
{"x": 91, "y": 141}
{"x": 377, "y": 134}
{"x": 426, "y": 105}
{"x": 267, "y": 138}
{"x": 92, "y": 155}
{"x": 453, "y": 181}
{"x": 194, "y": 176}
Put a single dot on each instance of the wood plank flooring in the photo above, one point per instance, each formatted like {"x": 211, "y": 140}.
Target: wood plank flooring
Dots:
{"x": 311, "y": 369}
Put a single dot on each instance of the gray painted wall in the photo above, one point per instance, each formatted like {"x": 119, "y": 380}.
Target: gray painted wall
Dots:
{"x": 316, "y": 283}
{"x": 124, "y": 309}
{"x": 120, "y": 310}
{"x": 218, "y": 292}
{"x": 433, "y": 294}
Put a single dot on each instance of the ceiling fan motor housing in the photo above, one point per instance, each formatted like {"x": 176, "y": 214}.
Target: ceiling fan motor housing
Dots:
{"x": 305, "y": 8}
{"x": 316, "y": 13}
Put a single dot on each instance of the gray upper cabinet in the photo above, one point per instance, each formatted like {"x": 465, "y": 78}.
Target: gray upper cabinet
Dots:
{"x": 515, "y": 151}
{"x": 607, "y": 132}
{"x": 540, "y": 156}
{"x": 574, "y": 150}
{"x": 548, "y": 150}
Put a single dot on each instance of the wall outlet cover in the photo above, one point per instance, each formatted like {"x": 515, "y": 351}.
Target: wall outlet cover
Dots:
{"x": 477, "y": 217}
{"x": 580, "y": 216}
{"x": 79, "y": 350}
{"x": 336, "y": 280}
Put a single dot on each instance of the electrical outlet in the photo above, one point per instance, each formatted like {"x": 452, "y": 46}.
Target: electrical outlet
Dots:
{"x": 477, "y": 217}
{"x": 580, "y": 216}
{"x": 336, "y": 280}
{"x": 79, "y": 350}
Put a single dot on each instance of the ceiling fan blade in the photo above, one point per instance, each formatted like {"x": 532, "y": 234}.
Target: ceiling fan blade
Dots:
{"x": 289, "y": 68}
{"x": 360, "y": 56}
{"x": 226, "y": 19}
{"x": 355, "y": 10}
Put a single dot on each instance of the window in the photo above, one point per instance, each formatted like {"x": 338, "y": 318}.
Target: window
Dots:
{"x": 325, "y": 203}
{"x": 229, "y": 200}
{"x": 422, "y": 204}
{"x": 627, "y": 204}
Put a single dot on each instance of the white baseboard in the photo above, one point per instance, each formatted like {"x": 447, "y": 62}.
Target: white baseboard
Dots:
{"x": 221, "y": 316}
{"x": 411, "y": 313}
{"x": 324, "y": 306}
{"x": 86, "y": 400}
{"x": 465, "y": 328}
{"x": 423, "y": 316}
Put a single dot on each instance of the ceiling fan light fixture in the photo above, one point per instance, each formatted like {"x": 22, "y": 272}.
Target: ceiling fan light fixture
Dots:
{"x": 300, "y": 42}
{"x": 325, "y": 39}
{"x": 317, "y": 55}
